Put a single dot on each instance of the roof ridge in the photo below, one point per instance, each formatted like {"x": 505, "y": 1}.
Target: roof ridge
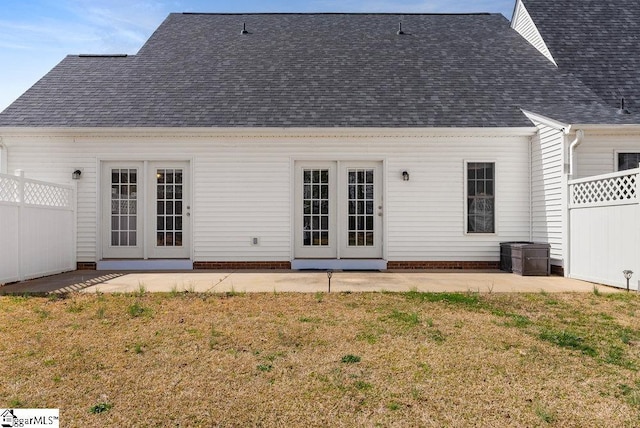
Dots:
{"x": 341, "y": 13}
{"x": 103, "y": 55}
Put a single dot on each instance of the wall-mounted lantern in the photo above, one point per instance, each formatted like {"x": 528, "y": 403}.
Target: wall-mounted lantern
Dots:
{"x": 76, "y": 174}
{"x": 405, "y": 175}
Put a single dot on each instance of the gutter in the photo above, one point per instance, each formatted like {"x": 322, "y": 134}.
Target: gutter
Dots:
{"x": 567, "y": 213}
{"x": 575, "y": 143}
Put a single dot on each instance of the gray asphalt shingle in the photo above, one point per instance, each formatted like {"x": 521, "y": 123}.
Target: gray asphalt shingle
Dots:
{"x": 596, "y": 40}
{"x": 313, "y": 70}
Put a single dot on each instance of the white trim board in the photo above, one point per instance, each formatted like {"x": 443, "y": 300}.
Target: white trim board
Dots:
{"x": 339, "y": 264}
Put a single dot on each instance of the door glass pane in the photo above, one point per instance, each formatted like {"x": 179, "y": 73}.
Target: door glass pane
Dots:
{"x": 169, "y": 207}
{"x": 315, "y": 201}
{"x": 360, "y": 202}
{"x": 124, "y": 203}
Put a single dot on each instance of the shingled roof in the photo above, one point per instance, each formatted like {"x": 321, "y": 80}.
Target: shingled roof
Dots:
{"x": 596, "y": 40}
{"x": 313, "y": 70}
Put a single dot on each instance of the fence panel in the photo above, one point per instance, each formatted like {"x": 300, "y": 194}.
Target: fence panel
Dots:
{"x": 605, "y": 229}
{"x": 37, "y": 228}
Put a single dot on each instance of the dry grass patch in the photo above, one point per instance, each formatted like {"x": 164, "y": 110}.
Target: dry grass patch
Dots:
{"x": 406, "y": 359}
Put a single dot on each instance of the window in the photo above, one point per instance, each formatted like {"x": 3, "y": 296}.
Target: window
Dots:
{"x": 628, "y": 161}
{"x": 480, "y": 197}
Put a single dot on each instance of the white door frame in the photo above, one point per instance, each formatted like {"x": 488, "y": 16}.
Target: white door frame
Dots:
{"x": 360, "y": 252}
{"x": 108, "y": 251}
{"x": 339, "y": 210}
{"x": 320, "y": 250}
{"x": 153, "y": 251}
{"x": 145, "y": 228}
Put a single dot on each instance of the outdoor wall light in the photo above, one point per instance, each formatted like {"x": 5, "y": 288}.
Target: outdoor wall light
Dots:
{"x": 627, "y": 275}
{"x": 76, "y": 174}
{"x": 405, "y": 175}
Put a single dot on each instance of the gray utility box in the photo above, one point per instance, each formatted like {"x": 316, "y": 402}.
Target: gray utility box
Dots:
{"x": 525, "y": 258}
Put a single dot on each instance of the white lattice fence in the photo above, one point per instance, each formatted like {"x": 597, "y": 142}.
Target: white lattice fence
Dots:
{"x": 610, "y": 189}
{"x": 9, "y": 188}
{"x": 604, "y": 235}
{"x": 16, "y": 189}
{"x": 46, "y": 194}
{"x": 37, "y": 228}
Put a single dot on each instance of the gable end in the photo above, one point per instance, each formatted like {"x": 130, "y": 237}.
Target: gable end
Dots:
{"x": 525, "y": 26}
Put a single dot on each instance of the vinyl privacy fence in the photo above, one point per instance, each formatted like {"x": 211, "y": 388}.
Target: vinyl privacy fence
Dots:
{"x": 604, "y": 218}
{"x": 37, "y": 228}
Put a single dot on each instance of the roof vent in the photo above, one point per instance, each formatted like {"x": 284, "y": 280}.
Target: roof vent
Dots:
{"x": 622, "y": 109}
{"x": 400, "y": 32}
{"x": 244, "y": 29}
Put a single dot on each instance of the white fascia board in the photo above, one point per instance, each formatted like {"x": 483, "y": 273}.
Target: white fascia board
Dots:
{"x": 556, "y": 124}
{"x": 515, "y": 16}
{"x": 631, "y": 129}
{"x": 595, "y": 128}
{"x": 269, "y": 132}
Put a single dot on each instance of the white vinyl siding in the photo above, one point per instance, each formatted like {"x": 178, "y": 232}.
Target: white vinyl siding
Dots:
{"x": 242, "y": 188}
{"x": 598, "y": 153}
{"x": 524, "y": 25}
{"x": 425, "y": 216}
{"x": 548, "y": 190}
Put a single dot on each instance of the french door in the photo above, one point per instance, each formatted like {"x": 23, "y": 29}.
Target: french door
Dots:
{"x": 338, "y": 210}
{"x": 146, "y": 210}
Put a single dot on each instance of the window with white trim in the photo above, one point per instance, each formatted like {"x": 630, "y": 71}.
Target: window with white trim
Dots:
{"x": 481, "y": 197}
{"x": 628, "y": 161}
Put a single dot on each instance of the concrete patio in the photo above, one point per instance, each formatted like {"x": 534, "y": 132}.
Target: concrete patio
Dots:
{"x": 299, "y": 281}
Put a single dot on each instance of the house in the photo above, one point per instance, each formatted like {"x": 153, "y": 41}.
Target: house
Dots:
{"x": 597, "y": 42}
{"x": 6, "y": 418}
{"x": 345, "y": 141}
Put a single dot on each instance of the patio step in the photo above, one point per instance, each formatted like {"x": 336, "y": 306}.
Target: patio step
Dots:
{"x": 155, "y": 264}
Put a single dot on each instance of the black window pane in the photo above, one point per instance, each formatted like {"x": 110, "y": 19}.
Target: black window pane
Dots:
{"x": 628, "y": 161}
{"x": 489, "y": 188}
{"x": 480, "y": 197}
